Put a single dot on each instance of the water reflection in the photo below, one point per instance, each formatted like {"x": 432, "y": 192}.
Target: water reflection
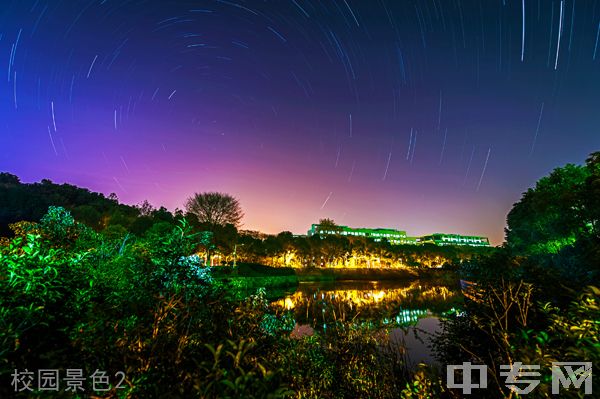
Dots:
{"x": 374, "y": 302}
{"x": 407, "y": 313}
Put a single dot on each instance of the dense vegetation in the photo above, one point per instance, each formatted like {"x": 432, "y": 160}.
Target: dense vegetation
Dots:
{"x": 537, "y": 300}
{"x": 29, "y": 202}
{"x": 71, "y": 297}
{"x": 136, "y": 298}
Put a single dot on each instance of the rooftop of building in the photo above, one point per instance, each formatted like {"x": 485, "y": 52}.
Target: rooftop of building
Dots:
{"x": 393, "y": 233}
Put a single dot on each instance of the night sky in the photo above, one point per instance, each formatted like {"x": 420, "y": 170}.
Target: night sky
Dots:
{"x": 426, "y": 116}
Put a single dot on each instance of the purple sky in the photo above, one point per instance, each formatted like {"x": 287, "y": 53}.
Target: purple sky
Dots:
{"x": 426, "y": 116}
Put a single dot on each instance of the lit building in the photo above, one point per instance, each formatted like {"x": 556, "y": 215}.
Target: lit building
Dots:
{"x": 454, "y": 239}
{"x": 391, "y": 235}
{"x": 398, "y": 237}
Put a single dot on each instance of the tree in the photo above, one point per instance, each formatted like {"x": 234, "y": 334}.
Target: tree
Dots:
{"x": 7, "y": 178}
{"x": 328, "y": 225}
{"x": 215, "y": 209}
{"x": 549, "y": 216}
{"x": 225, "y": 238}
{"x": 591, "y": 195}
{"x": 87, "y": 214}
{"x": 557, "y": 222}
{"x": 145, "y": 208}
{"x": 30, "y": 202}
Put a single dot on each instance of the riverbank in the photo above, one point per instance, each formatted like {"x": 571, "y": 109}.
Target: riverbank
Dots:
{"x": 346, "y": 274}
{"x": 439, "y": 276}
{"x": 249, "y": 277}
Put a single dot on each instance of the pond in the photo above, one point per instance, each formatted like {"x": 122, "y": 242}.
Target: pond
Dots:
{"x": 407, "y": 311}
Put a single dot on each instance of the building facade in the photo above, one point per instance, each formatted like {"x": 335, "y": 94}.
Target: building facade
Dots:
{"x": 454, "y": 239}
{"x": 399, "y": 237}
{"x": 393, "y": 236}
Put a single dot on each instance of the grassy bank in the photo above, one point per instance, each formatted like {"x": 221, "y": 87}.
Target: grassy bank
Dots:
{"x": 242, "y": 287}
{"x": 355, "y": 274}
{"x": 248, "y": 276}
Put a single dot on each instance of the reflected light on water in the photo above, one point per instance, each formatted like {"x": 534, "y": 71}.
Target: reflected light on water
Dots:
{"x": 358, "y": 298}
{"x": 403, "y": 314}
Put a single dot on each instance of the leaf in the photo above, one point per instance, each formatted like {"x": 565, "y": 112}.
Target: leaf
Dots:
{"x": 229, "y": 384}
{"x": 595, "y": 290}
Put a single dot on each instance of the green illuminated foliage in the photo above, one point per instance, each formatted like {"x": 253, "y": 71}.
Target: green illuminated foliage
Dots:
{"x": 233, "y": 372}
{"x": 549, "y": 215}
{"x": 425, "y": 384}
{"x": 557, "y": 221}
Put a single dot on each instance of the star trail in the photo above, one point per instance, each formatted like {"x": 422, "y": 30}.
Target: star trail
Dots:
{"x": 303, "y": 109}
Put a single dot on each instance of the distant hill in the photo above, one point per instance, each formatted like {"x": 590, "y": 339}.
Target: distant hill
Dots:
{"x": 30, "y": 201}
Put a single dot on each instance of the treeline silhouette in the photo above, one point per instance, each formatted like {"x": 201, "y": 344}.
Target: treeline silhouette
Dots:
{"x": 28, "y": 202}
